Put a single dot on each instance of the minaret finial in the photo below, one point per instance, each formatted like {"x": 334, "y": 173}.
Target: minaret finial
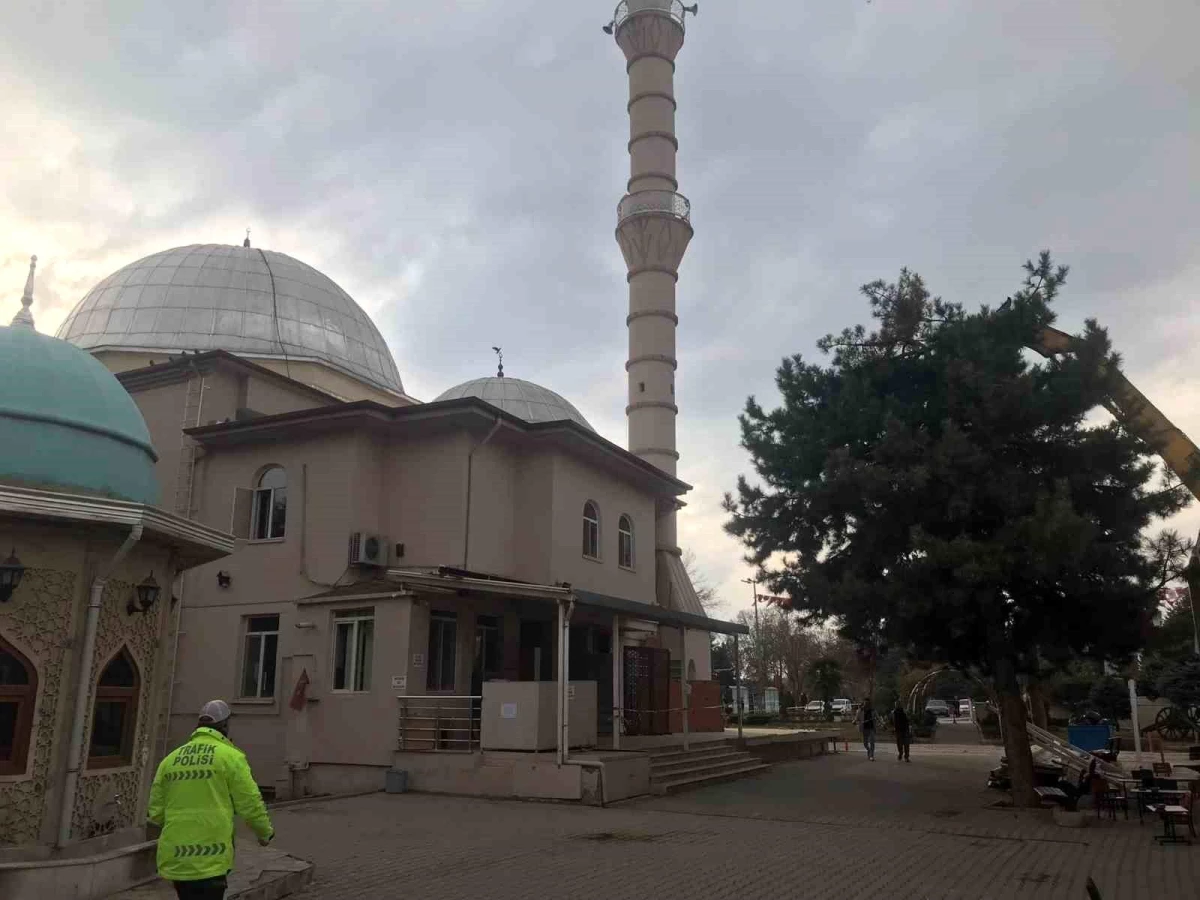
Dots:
{"x": 500, "y": 362}
{"x": 24, "y": 318}
{"x": 246, "y": 242}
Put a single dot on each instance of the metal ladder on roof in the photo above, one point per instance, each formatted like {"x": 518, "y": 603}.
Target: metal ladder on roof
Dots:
{"x": 192, "y": 403}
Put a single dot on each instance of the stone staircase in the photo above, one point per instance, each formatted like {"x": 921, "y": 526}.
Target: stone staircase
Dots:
{"x": 675, "y": 769}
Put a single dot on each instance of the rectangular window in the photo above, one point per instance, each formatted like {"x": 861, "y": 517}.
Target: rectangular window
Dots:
{"x": 259, "y": 657}
{"x": 625, "y": 549}
{"x": 9, "y": 713}
{"x": 108, "y": 728}
{"x": 353, "y": 650}
{"x": 270, "y": 513}
{"x": 487, "y": 647}
{"x": 591, "y": 539}
{"x": 443, "y": 637}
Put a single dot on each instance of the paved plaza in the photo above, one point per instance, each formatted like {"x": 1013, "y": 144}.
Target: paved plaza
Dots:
{"x": 833, "y": 827}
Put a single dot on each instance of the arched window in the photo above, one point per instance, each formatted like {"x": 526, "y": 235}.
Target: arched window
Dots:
{"x": 591, "y": 530}
{"x": 18, "y": 690}
{"x": 114, "y": 713}
{"x": 270, "y": 505}
{"x": 625, "y": 542}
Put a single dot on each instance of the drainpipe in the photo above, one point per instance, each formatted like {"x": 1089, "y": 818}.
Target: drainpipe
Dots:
{"x": 83, "y": 684}
{"x": 565, "y": 608}
{"x": 618, "y": 699}
{"x": 467, "y": 515}
{"x": 737, "y": 684}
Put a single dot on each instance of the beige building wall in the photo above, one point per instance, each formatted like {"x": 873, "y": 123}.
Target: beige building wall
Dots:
{"x": 574, "y": 484}
{"x": 317, "y": 375}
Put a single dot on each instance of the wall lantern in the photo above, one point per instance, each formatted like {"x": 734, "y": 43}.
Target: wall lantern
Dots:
{"x": 224, "y": 579}
{"x": 11, "y": 571}
{"x": 146, "y": 595}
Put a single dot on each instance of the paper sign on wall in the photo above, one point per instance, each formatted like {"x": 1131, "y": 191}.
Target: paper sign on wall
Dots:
{"x": 570, "y": 692}
{"x": 399, "y": 682}
{"x": 418, "y": 660}
{"x": 508, "y": 710}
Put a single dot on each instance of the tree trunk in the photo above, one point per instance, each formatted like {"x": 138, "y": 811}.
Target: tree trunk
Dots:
{"x": 1016, "y": 737}
{"x": 1038, "y": 704}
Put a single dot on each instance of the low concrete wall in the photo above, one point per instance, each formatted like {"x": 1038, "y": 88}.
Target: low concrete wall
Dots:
{"x": 333, "y": 778}
{"x": 612, "y": 776}
{"x": 80, "y": 878}
{"x": 780, "y": 747}
{"x": 492, "y": 774}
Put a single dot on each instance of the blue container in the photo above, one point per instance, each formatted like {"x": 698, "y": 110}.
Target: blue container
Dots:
{"x": 1089, "y": 737}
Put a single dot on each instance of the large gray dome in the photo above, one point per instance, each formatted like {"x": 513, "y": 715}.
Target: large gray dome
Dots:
{"x": 523, "y": 399}
{"x": 255, "y": 303}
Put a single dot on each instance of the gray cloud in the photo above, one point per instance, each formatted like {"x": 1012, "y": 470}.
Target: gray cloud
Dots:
{"x": 456, "y": 168}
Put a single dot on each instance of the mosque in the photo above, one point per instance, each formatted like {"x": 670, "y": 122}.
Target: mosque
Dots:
{"x": 372, "y": 581}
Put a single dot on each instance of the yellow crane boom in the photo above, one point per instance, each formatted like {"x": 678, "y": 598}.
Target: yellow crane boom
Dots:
{"x": 1133, "y": 409}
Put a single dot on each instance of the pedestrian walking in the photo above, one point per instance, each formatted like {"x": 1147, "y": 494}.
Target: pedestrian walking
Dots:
{"x": 867, "y": 723}
{"x": 900, "y": 725}
{"x": 197, "y": 790}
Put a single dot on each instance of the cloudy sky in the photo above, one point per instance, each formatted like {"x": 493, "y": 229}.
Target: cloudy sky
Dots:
{"x": 456, "y": 166}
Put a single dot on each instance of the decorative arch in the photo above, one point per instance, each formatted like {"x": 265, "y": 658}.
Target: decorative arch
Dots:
{"x": 625, "y": 557}
{"x": 591, "y": 529}
{"x": 269, "y": 514}
{"x": 114, "y": 712}
{"x": 18, "y": 694}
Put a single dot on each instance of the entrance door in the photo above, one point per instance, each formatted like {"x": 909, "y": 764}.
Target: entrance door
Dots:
{"x": 647, "y": 690}
{"x": 536, "y": 651}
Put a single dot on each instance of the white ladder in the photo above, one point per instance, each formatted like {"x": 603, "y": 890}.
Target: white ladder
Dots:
{"x": 192, "y": 403}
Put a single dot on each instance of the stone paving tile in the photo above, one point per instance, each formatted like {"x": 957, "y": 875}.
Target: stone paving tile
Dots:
{"x": 779, "y": 835}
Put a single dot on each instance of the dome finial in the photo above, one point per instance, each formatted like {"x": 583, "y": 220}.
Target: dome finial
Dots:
{"x": 500, "y": 361}
{"x": 24, "y": 318}
{"x": 246, "y": 242}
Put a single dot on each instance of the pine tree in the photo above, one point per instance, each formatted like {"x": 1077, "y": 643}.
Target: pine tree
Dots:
{"x": 933, "y": 488}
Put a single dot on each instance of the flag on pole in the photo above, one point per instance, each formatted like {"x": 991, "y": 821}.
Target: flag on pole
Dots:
{"x": 298, "y": 695}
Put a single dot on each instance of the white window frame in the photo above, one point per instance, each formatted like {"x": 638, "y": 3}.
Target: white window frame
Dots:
{"x": 261, "y": 637}
{"x": 595, "y": 524}
{"x": 354, "y": 619}
{"x": 625, "y": 529}
{"x": 255, "y": 506}
{"x": 448, "y": 618}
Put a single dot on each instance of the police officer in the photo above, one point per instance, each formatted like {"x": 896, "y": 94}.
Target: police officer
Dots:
{"x": 197, "y": 790}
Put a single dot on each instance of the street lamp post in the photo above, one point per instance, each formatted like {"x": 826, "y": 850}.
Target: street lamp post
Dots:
{"x": 753, "y": 582}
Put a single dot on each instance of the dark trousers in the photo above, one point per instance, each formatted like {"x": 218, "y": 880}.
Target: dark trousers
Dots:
{"x": 903, "y": 741}
{"x": 204, "y": 889}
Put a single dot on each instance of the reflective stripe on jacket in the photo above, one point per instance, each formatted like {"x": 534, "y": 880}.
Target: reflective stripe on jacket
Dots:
{"x": 196, "y": 792}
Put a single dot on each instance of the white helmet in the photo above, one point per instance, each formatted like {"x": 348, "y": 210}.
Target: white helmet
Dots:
{"x": 214, "y": 712}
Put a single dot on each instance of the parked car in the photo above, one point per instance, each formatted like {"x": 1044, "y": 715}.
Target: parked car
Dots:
{"x": 843, "y": 707}
{"x": 965, "y": 708}
{"x": 939, "y": 708}
{"x": 814, "y": 706}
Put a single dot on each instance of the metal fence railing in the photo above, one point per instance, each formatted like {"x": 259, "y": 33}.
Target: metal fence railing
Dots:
{"x": 439, "y": 723}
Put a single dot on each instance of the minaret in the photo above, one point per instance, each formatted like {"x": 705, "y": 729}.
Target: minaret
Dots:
{"x": 24, "y": 318}
{"x": 653, "y": 230}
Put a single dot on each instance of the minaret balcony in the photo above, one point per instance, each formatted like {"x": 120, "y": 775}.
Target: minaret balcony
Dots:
{"x": 627, "y": 8}
{"x": 654, "y": 203}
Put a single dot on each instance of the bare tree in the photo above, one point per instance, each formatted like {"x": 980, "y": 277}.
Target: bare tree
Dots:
{"x": 704, "y": 588}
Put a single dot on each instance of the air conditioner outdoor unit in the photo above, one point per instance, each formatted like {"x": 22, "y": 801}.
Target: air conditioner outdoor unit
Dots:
{"x": 367, "y": 549}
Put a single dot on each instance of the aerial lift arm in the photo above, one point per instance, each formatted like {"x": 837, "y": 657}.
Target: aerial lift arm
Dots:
{"x": 1131, "y": 407}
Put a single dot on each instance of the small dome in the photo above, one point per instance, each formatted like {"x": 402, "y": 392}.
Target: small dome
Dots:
{"x": 523, "y": 399}
{"x": 255, "y": 303}
{"x": 68, "y": 424}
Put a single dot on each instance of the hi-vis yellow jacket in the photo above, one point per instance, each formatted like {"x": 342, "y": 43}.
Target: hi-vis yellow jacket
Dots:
{"x": 196, "y": 792}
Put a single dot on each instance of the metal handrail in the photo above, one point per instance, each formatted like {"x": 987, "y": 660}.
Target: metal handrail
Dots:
{"x": 651, "y": 203}
{"x": 451, "y": 731}
{"x": 627, "y": 8}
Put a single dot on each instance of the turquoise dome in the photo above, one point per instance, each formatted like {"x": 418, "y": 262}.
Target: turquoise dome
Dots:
{"x": 68, "y": 424}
